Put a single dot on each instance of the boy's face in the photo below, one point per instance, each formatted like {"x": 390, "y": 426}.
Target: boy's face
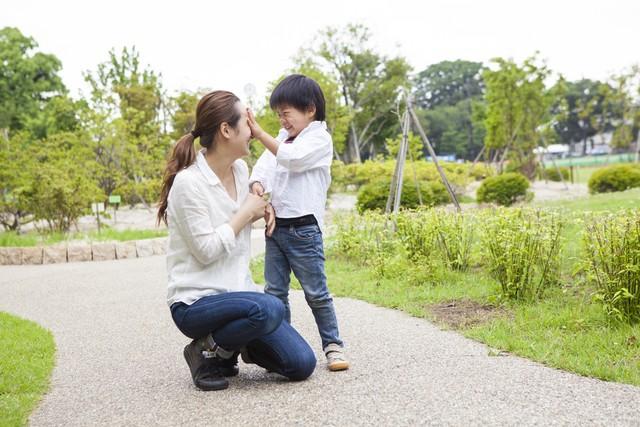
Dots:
{"x": 294, "y": 120}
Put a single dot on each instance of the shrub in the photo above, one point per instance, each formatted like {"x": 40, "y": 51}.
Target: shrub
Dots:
{"x": 503, "y": 189}
{"x": 454, "y": 235}
{"x": 374, "y": 195}
{"x": 612, "y": 250}
{"x": 552, "y": 174}
{"x": 614, "y": 178}
{"x": 523, "y": 251}
{"x": 358, "y": 174}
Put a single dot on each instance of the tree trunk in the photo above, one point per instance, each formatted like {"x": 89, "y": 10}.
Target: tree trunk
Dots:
{"x": 353, "y": 145}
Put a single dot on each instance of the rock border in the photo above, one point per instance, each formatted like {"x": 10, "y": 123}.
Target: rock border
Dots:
{"x": 81, "y": 252}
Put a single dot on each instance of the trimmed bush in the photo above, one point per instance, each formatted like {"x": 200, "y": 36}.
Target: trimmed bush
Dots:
{"x": 552, "y": 174}
{"x": 374, "y": 195}
{"x": 503, "y": 189}
{"x": 614, "y": 178}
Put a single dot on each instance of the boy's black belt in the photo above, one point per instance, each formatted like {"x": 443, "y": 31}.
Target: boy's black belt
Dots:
{"x": 296, "y": 222}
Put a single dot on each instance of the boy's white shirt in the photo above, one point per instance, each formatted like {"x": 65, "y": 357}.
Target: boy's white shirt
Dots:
{"x": 298, "y": 177}
{"x": 204, "y": 256}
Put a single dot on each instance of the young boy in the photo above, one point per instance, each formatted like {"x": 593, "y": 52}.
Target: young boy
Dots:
{"x": 295, "y": 169}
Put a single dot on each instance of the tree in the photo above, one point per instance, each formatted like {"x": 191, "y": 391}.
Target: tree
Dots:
{"x": 448, "y": 83}
{"x": 126, "y": 124}
{"x": 60, "y": 187}
{"x": 580, "y": 109}
{"x": 446, "y": 94}
{"x": 369, "y": 83}
{"x": 624, "y": 110}
{"x": 28, "y": 80}
{"x": 517, "y": 106}
{"x": 183, "y": 117}
{"x": 15, "y": 175}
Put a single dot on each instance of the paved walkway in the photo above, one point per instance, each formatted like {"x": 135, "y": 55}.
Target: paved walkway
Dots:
{"x": 119, "y": 362}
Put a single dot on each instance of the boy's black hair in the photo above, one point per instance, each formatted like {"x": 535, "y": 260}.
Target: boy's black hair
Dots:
{"x": 300, "y": 92}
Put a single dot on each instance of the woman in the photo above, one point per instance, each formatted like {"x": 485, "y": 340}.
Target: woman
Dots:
{"x": 206, "y": 204}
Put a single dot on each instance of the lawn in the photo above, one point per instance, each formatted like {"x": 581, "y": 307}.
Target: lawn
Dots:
{"x": 33, "y": 238}
{"x": 26, "y": 360}
{"x": 566, "y": 329}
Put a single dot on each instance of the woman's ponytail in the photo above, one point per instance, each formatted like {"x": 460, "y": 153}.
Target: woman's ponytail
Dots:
{"x": 213, "y": 109}
{"x": 182, "y": 156}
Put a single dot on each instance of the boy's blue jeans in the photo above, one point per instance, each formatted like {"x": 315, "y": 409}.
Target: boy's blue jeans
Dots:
{"x": 300, "y": 249}
{"x": 252, "y": 320}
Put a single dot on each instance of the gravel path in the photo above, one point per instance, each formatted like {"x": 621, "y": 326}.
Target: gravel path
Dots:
{"x": 119, "y": 362}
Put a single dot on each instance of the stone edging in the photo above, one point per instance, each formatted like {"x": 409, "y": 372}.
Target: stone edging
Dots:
{"x": 76, "y": 252}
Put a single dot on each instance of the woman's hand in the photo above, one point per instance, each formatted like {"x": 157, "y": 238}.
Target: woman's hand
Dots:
{"x": 252, "y": 209}
{"x": 255, "y": 206}
{"x": 256, "y": 130}
{"x": 270, "y": 219}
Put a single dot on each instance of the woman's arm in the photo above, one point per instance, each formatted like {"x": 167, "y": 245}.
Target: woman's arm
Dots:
{"x": 193, "y": 219}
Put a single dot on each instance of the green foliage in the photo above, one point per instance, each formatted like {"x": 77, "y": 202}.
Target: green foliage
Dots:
{"x": 28, "y": 79}
{"x": 448, "y": 83}
{"x": 26, "y": 361}
{"x": 125, "y": 126}
{"x": 454, "y": 235}
{"x": 458, "y": 174}
{"x": 61, "y": 187}
{"x": 183, "y": 118}
{"x": 517, "y": 105}
{"x": 503, "y": 189}
{"x": 369, "y": 84}
{"x": 612, "y": 251}
{"x": 374, "y": 195}
{"x": 449, "y": 95}
{"x": 552, "y": 174}
{"x": 522, "y": 249}
{"x": 614, "y": 178}
{"x": 415, "y": 151}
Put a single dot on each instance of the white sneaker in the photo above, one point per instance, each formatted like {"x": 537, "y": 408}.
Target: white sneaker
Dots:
{"x": 336, "y": 360}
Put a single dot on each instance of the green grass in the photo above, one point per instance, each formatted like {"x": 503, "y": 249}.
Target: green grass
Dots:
{"x": 26, "y": 360}
{"x": 566, "y": 329}
{"x": 629, "y": 199}
{"x": 8, "y": 238}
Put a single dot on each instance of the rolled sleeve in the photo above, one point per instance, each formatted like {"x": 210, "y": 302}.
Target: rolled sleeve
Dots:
{"x": 227, "y": 237}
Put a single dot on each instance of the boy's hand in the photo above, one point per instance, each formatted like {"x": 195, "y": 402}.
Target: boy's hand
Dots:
{"x": 256, "y": 130}
{"x": 257, "y": 188}
{"x": 270, "y": 219}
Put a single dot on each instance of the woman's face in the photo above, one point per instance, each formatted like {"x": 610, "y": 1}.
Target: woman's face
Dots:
{"x": 239, "y": 138}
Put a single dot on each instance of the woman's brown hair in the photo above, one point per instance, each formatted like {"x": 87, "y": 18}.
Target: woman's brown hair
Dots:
{"x": 213, "y": 109}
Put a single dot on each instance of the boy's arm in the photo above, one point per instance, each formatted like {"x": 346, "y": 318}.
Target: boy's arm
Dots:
{"x": 312, "y": 151}
{"x": 263, "y": 171}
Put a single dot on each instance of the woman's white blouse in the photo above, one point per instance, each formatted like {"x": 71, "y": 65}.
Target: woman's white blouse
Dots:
{"x": 204, "y": 256}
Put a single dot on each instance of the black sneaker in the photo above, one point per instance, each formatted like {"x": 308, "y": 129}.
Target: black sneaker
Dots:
{"x": 206, "y": 375}
{"x": 227, "y": 367}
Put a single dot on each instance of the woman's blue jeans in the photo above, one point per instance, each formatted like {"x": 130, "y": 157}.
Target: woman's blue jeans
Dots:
{"x": 252, "y": 320}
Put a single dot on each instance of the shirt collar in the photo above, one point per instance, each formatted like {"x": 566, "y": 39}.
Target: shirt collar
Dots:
{"x": 209, "y": 175}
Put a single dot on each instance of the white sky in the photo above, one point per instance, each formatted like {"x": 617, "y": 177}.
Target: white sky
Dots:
{"x": 225, "y": 45}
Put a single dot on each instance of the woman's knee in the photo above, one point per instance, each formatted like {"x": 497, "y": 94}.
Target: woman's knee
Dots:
{"x": 267, "y": 314}
{"x": 304, "y": 365}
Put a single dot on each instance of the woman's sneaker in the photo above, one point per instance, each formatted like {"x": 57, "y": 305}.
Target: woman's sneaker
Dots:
{"x": 336, "y": 360}
{"x": 204, "y": 372}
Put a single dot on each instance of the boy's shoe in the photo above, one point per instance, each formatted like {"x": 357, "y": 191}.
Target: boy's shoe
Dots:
{"x": 336, "y": 360}
{"x": 204, "y": 372}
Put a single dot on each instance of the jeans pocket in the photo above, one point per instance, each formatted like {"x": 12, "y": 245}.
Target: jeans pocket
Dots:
{"x": 306, "y": 232}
